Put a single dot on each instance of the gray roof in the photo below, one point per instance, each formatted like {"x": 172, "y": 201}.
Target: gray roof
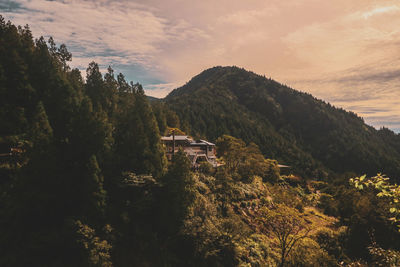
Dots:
{"x": 208, "y": 143}
{"x": 283, "y": 166}
{"x": 201, "y": 143}
{"x": 187, "y": 138}
{"x": 177, "y": 138}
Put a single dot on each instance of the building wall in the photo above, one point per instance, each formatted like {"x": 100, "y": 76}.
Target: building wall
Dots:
{"x": 209, "y": 151}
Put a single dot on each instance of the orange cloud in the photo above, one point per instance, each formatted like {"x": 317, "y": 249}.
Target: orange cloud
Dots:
{"x": 322, "y": 47}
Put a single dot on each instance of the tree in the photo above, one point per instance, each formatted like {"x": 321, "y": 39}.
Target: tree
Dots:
{"x": 97, "y": 89}
{"x": 381, "y": 184}
{"x": 41, "y": 130}
{"x": 286, "y": 224}
{"x": 231, "y": 150}
{"x": 179, "y": 186}
{"x": 176, "y": 131}
{"x": 94, "y": 196}
{"x": 138, "y": 145}
{"x": 64, "y": 55}
{"x": 98, "y": 251}
{"x": 247, "y": 161}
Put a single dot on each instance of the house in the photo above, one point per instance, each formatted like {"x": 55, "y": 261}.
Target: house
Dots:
{"x": 197, "y": 150}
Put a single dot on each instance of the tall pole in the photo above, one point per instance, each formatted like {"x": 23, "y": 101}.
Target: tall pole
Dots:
{"x": 173, "y": 142}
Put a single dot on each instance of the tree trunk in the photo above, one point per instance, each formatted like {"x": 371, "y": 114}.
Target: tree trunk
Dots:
{"x": 282, "y": 258}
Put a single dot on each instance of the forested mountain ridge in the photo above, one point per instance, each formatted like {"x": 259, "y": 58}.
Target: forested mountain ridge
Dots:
{"x": 84, "y": 181}
{"x": 291, "y": 126}
{"x": 67, "y": 146}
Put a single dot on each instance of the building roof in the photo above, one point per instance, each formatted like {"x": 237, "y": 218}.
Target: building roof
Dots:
{"x": 201, "y": 143}
{"x": 283, "y": 166}
{"x": 187, "y": 138}
{"x": 208, "y": 143}
{"x": 177, "y": 138}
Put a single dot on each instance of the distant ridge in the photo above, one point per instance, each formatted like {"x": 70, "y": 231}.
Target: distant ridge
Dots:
{"x": 152, "y": 98}
{"x": 291, "y": 126}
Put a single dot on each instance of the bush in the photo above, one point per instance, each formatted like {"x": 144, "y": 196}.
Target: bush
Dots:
{"x": 206, "y": 167}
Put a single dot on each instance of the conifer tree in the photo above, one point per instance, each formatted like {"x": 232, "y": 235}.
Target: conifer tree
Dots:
{"x": 41, "y": 130}
{"x": 180, "y": 191}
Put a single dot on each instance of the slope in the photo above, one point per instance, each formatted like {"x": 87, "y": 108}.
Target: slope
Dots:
{"x": 291, "y": 126}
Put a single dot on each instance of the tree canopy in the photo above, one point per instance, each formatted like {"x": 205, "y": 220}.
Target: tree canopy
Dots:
{"x": 84, "y": 179}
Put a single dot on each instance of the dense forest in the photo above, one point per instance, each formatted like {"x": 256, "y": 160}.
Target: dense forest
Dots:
{"x": 293, "y": 127}
{"x": 84, "y": 180}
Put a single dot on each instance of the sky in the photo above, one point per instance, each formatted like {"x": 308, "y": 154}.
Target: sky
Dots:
{"x": 344, "y": 52}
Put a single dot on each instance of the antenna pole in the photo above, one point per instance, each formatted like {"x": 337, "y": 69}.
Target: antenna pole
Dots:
{"x": 173, "y": 142}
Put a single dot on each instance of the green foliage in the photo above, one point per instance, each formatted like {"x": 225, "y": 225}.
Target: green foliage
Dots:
{"x": 137, "y": 140}
{"x": 332, "y": 242}
{"x": 94, "y": 183}
{"x": 308, "y": 253}
{"x": 380, "y": 183}
{"x": 167, "y": 119}
{"x": 245, "y": 161}
{"x": 71, "y": 141}
{"x": 312, "y": 136}
{"x": 41, "y": 130}
{"x": 206, "y": 167}
{"x": 255, "y": 251}
{"x": 85, "y": 181}
{"x": 286, "y": 225}
{"x": 98, "y": 251}
{"x": 179, "y": 191}
{"x": 169, "y": 131}
{"x": 383, "y": 257}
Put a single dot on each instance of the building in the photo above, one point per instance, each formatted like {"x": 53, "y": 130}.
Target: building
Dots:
{"x": 197, "y": 150}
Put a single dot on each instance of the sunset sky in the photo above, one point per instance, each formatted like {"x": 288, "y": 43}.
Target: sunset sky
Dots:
{"x": 345, "y": 52}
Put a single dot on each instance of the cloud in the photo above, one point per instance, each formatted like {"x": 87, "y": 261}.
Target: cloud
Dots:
{"x": 342, "y": 51}
{"x": 113, "y": 33}
{"x": 352, "y": 61}
{"x": 380, "y": 11}
{"x": 160, "y": 90}
{"x": 371, "y": 91}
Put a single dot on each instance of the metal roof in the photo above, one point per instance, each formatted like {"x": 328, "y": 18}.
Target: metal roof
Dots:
{"x": 283, "y": 166}
{"x": 177, "y": 138}
{"x": 208, "y": 143}
{"x": 187, "y": 138}
{"x": 201, "y": 143}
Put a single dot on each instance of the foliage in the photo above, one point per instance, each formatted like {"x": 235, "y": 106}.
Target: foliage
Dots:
{"x": 286, "y": 225}
{"x": 255, "y": 251}
{"x": 177, "y": 131}
{"x": 332, "y": 242}
{"x": 308, "y": 253}
{"x": 383, "y": 257}
{"x": 98, "y": 250}
{"x": 245, "y": 161}
{"x": 312, "y": 136}
{"x": 206, "y": 167}
{"x": 72, "y": 140}
{"x": 85, "y": 181}
{"x": 179, "y": 190}
{"x": 384, "y": 189}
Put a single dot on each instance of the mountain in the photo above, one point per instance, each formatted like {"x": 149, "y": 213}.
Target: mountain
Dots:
{"x": 84, "y": 180}
{"x": 299, "y": 130}
{"x": 152, "y": 98}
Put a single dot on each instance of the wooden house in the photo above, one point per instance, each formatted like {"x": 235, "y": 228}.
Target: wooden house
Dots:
{"x": 196, "y": 150}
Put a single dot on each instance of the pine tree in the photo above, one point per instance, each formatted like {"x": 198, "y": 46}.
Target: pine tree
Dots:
{"x": 41, "y": 131}
{"x": 180, "y": 192}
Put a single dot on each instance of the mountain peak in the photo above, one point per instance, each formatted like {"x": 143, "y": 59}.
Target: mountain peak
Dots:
{"x": 211, "y": 76}
{"x": 291, "y": 126}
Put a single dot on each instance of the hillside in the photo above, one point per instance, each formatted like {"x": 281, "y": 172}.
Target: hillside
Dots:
{"x": 84, "y": 178}
{"x": 288, "y": 125}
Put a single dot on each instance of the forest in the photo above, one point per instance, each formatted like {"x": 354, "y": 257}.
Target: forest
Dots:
{"x": 84, "y": 180}
{"x": 314, "y": 137}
